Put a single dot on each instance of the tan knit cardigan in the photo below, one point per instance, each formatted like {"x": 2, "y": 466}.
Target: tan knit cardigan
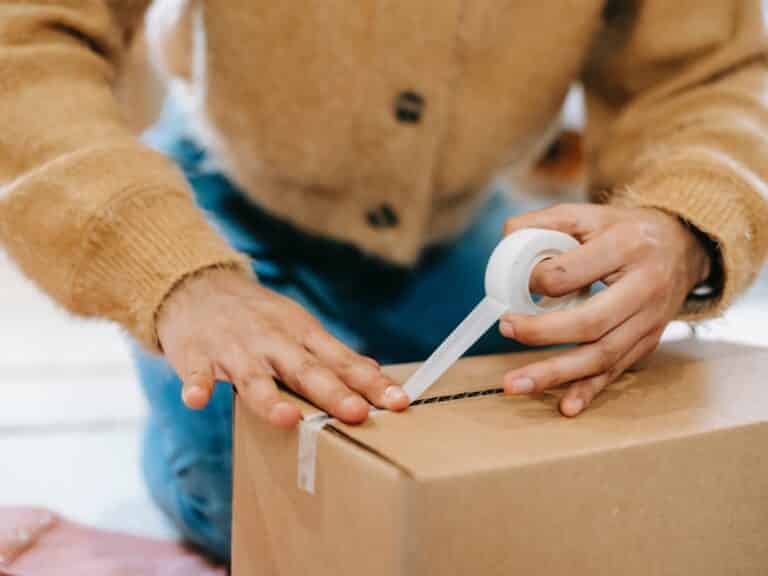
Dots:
{"x": 370, "y": 121}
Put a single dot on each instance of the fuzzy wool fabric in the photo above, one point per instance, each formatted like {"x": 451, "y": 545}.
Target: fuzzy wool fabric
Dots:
{"x": 373, "y": 122}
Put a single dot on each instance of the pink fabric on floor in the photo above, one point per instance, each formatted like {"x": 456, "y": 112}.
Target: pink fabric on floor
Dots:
{"x": 39, "y": 543}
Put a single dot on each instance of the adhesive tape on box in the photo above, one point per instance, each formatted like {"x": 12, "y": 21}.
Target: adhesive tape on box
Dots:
{"x": 507, "y": 280}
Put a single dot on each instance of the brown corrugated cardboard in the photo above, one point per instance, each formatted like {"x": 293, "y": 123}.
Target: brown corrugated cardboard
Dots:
{"x": 666, "y": 474}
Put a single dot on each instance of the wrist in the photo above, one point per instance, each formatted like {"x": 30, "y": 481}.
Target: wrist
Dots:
{"x": 702, "y": 254}
{"x": 193, "y": 289}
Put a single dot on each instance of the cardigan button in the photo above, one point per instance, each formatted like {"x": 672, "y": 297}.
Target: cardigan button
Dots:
{"x": 383, "y": 216}
{"x": 409, "y": 107}
{"x": 615, "y": 10}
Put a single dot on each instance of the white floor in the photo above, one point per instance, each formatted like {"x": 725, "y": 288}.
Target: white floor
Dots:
{"x": 70, "y": 413}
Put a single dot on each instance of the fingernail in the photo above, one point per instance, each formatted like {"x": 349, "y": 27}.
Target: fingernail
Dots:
{"x": 522, "y": 386}
{"x": 507, "y": 329}
{"x": 573, "y": 406}
{"x": 395, "y": 394}
{"x": 354, "y": 404}
{"x": 274, "y": 413}
{"x": 280, "y": 413}
{"x": 193, "y": 396}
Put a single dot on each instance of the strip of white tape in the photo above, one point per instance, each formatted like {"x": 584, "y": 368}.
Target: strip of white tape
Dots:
{"x": 507, "y": 279}
{"x": 309, "y": 428}
{"x": 458, "y": 342}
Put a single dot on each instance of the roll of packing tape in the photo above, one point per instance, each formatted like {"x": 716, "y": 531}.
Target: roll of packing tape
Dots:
{"x": 508, "y": 274}
{"x": 507, "y": 281}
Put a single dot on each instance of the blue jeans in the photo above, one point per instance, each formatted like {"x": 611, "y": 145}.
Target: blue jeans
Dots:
{"x": 392, "y": 314}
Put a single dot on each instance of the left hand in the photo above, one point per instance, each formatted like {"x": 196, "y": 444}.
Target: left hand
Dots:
{"x": 650, "y": 262}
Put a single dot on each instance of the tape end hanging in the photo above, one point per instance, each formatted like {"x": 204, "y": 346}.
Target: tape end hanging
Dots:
{"x": 309, "y": 429}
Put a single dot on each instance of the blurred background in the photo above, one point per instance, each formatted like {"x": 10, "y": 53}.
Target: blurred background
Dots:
{"x": 71, "y": 414}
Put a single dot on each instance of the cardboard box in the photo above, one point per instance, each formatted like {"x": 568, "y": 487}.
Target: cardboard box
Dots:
{"x": 666, "y": 474}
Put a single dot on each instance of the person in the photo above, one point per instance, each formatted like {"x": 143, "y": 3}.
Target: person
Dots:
{"x": 333, "y": 202}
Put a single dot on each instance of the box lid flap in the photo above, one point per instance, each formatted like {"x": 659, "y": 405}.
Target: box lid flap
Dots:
{"x": 686, "y": 388}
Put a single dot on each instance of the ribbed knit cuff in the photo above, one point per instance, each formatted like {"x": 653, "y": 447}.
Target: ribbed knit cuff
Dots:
{"x": 138, "y": 250}
{"x": 714, "y": 203}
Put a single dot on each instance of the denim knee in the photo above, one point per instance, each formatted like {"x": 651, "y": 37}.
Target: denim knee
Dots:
{"x": 194, "y": 488}
{"x": 204, "y": 496}
{"x": 187, "y": 456}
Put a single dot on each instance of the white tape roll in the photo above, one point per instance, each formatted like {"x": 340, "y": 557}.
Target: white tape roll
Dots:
{"x": 508, "y": 274}
{"x": 507, "y": 280}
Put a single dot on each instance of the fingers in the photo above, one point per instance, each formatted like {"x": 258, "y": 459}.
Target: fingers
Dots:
{"x": 198, "y": 380}
{"x": 324, "y": 371}
{"x": 261, "y": 396}
{"x": 256, "y": 386}
{"x": 587, "y": 322}
{"x": 308, "y": 377}
{"x": 228, "y": 327}
{"x": 580, "y": 394}
{"x": 582, "y": 362}
{"x": 579, "y": 220}
{"x": 359, "y": 373}
{"x": 581, "y": 267}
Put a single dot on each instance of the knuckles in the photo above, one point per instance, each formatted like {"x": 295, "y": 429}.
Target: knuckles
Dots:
{"x": 308, "y": 369}
{"x": 608, "y": 356}
{"x": 594, "y": 327}
{"x": 568, "y": 216}
{"x": 630, "y": 242}
{"x": 554, "y": 377}
{"x": 363, "y": 373}
{"x": 314, "y": 338}
{"x": 660, "y": 280}
{"x": 640, "y": 237}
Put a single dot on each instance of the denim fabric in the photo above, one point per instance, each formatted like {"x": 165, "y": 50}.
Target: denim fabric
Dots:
{"x": 392, "y": 314}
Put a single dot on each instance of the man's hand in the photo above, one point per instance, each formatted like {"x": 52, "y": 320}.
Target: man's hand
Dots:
{"x": 223, "y": 326}
{"x": 650, "y": 262}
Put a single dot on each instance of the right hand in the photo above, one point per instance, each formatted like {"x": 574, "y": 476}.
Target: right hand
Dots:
{"x": 221, "y": 325}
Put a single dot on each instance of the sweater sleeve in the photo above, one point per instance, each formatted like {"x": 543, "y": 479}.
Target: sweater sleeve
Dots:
{"x": 677, "y": 107}
{"x": 106, "y": 226}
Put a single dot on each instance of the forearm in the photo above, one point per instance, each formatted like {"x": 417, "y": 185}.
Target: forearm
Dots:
{"x": 685, "y": 130}
{"x": 104, "y": 225}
